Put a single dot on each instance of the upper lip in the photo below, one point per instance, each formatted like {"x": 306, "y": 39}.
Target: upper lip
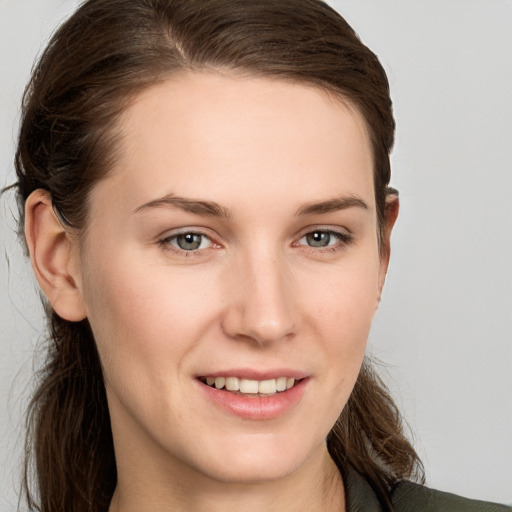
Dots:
{"x": 254, "y": 374}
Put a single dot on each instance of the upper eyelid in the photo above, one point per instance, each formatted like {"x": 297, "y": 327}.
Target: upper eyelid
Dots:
{"x": 175, "y": 235}
{"x": 327, "y": 229}
{"x": 184, "y": 231}
{"x": 330, "y": 231}
{"x": 341, "y": 236}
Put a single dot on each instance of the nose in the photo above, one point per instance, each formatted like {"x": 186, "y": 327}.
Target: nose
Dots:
{"x": 261, "y": 305}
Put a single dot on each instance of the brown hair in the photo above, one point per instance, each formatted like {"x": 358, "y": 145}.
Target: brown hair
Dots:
{"x": 100, "y": 58}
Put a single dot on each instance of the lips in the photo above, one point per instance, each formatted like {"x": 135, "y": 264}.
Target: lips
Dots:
{"x": 254, "y": 395}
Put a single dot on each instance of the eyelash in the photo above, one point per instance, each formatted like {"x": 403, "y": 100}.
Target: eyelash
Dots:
{"x": 166, "y": 243}
{"x": 344, "y": 239}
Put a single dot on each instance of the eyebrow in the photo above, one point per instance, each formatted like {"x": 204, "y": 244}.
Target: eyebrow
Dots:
{"x": 208, "y": 208}
{"x": 332, "y": 205}
{"x": 213, "y": 209}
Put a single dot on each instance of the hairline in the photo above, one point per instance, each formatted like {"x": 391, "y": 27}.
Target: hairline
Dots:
{"x": 124, "y": 101}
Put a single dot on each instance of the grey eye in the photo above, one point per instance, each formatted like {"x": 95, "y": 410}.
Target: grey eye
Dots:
{"x": 319, "y": 238}
{"x": 189, "y": 241}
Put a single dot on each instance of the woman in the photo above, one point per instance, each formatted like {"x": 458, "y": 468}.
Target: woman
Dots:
{"x": 206, "y": 206}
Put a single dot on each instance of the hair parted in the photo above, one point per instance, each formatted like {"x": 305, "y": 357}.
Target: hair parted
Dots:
{"x": 96, "y": 62}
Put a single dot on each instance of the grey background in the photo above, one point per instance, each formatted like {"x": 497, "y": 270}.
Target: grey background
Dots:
{"x": 444, "y": 327}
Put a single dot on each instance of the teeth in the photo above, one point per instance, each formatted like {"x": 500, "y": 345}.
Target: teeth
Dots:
{"x": 252, "y": 387}
{"x": 249, "y": 386}
{"x": 232, "y": 383}
{"x": 281, "y": 384}
{"x": 267, "y": 386}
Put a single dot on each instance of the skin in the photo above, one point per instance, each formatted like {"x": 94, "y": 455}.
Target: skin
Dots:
{"x": 255, "y": 294}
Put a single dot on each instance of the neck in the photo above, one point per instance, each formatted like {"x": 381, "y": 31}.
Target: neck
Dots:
{"x": 316, "y": 487}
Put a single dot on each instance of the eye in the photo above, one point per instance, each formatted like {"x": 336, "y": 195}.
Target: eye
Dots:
{"x": 320, "y": 239}
{"x": 188, "y": 241}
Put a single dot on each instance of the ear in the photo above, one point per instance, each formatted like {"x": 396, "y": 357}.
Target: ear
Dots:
{"x": 390, "y": 216}
{"x": 54, "y": 256}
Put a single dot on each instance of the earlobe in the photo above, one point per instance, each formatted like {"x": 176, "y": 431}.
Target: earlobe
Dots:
{"x": 54, "y": 254}
{"x": 390, "y": 216}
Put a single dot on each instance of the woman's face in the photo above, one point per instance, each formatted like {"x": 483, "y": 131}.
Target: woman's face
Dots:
{"x": 234, "y": 242}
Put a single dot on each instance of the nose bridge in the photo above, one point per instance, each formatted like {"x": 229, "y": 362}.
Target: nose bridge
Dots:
{"x": 262, "y": 305}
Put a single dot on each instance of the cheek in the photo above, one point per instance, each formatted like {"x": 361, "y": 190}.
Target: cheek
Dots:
{"x": 345, "y": 297}
{"x": 142, "y": 315}
{"x": 342, "y": 312}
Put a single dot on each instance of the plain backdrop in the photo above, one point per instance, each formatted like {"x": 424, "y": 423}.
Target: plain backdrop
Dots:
{"x": 444, "y": 330}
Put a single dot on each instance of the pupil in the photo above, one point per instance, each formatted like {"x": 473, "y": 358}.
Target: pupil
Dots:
{"x": 189, "y": 241}
{"x": 318, "y": 239}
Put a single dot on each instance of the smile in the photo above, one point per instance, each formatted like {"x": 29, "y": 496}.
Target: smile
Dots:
{"x": 252, "y": 398}
{"x": 256, "y": 388}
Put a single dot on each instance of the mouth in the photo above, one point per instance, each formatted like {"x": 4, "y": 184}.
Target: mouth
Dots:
{"x": 249, "y": 387}
{"x": 254, "y": 395}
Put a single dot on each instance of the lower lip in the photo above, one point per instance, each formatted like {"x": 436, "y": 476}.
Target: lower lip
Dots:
{"x": 256, "y": 408}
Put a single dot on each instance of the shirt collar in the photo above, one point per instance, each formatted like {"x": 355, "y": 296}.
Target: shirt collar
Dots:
{"x": 359, "y": 495}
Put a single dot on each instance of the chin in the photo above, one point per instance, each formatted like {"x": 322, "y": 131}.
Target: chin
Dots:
{"x": 252, "y": 473}
{"x": 256, "y": 460}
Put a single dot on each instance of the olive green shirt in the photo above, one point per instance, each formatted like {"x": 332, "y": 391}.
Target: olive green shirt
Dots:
{"x": 411, "y": 497}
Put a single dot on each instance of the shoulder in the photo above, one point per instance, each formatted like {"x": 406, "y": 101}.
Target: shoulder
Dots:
{"x": 412, "y": 497}
{"x": 409, "y": 497}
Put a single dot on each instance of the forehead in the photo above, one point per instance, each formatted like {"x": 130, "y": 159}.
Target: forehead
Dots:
{"x": 233, "y": 136}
